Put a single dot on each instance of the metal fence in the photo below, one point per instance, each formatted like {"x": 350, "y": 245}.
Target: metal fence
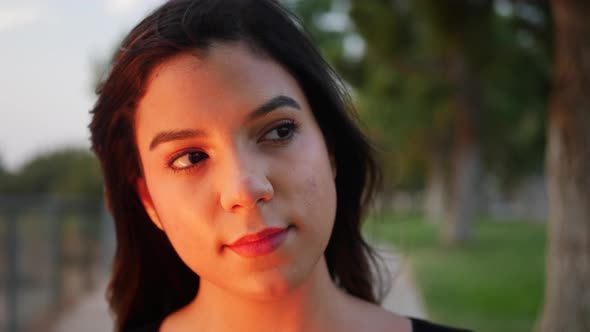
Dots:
{"x": 53, "y": 250}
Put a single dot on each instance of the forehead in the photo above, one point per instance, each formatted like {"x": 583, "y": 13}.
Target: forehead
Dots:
{"x": 228, "y": 76}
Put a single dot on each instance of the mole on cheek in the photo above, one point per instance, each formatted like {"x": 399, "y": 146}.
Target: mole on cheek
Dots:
{"x": 312, "y": 184}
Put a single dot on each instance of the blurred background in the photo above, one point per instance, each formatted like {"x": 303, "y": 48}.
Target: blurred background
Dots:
{"x": 459, "y": 96}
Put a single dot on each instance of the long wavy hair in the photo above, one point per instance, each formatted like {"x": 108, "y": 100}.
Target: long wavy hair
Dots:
{"x": 149, "y": 280}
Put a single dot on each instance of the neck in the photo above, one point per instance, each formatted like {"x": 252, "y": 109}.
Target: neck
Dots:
{"x": 313, "y": 306}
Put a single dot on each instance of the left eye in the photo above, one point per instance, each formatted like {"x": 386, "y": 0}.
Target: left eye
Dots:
{"x": 281, "y": 132}
{"x": 187, "y": 160}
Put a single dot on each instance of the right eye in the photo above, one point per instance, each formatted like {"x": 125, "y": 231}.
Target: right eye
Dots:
{"x": 187, "y": 160}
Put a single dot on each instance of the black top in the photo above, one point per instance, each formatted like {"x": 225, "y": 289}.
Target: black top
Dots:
{"x": 418, "y": 325}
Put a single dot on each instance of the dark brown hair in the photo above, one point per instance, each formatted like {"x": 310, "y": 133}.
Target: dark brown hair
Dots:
{"x": 149, "y": 281}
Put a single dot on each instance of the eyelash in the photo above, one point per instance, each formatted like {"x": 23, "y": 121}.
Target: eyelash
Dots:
{"x": 289, "y": 124}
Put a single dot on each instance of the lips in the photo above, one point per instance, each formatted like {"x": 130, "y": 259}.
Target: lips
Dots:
{"x": 261, "y": 243}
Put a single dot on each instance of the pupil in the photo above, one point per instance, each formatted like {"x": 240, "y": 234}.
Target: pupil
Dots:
{"x": 194, "y": 157}
{"x": 283, "y": 131}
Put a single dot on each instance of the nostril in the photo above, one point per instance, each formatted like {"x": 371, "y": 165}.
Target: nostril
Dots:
{"x": 264, "y": 199}
{"x": 248, "y": 193}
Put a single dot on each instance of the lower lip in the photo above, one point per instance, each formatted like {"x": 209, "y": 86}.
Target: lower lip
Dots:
{"x": 262, "y": 246}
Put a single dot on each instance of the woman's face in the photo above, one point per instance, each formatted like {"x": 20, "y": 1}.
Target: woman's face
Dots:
{"x": 230, "y": 148}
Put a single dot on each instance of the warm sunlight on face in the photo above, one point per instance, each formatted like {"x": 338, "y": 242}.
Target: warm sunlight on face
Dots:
{"x": 229, "y": 148}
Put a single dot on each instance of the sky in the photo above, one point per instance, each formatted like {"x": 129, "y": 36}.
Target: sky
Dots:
{"x": 48, "y": 51}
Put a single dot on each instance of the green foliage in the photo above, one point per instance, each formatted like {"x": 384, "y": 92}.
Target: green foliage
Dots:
{"x": 386, "y": 25}
{"x": 66, "y": 172}
{"x": 517, "y": 84}
{"x": 3, "y": 170}
{"x": 413, "y": 80}
{"x": 311, "y": 13}
{"x": 495, "y": 284}
{"x": 407, "y": 90}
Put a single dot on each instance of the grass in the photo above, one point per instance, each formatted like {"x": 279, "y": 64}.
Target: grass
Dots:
{"x": 494, "y": 283}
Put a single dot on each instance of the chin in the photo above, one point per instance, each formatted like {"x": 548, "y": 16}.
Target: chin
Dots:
{"x": 273, "y": 285}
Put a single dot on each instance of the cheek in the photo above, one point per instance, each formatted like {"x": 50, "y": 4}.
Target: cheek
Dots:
{"x": 321, "y": 199}
{"x": 184, "y": 216}
{"x": 318, "y": 194}
{"x": 182, "y": 203}
{"x": 193, "y": 245}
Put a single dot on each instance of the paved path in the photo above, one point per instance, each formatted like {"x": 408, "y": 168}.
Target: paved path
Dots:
{"x": 91, "y": 314}
{"x": 403, "y": 297}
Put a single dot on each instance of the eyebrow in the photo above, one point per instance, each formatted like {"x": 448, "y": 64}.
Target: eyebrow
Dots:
{"x": 269, "y": 106}
{"x": 174, "y": 135}
{"x": 272, "y": 104}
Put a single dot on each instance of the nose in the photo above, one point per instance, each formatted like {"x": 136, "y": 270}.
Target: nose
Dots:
{"x": 245, "y": 186}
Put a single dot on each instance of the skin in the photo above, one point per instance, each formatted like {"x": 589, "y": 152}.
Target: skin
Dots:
{"x": 230, "y": 171}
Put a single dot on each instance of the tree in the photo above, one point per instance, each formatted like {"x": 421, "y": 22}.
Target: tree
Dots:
{"x": 436, "y": 48}
{"x": 444, "y": 91}
{"x": 3, "y": 170}
{"x": 4, "y": 174}
{"x": 567, "y": 291}
{"x": 65, "y": 171}
{"x": 437, "y": 85}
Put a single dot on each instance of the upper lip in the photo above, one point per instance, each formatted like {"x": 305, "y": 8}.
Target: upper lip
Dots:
{"x": 267, "y": 232}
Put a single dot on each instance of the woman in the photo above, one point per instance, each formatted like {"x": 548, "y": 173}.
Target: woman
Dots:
{"x": 236, "y": 178}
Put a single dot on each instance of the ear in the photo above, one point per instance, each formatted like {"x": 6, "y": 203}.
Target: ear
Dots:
{"x": 146, "y": 201}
